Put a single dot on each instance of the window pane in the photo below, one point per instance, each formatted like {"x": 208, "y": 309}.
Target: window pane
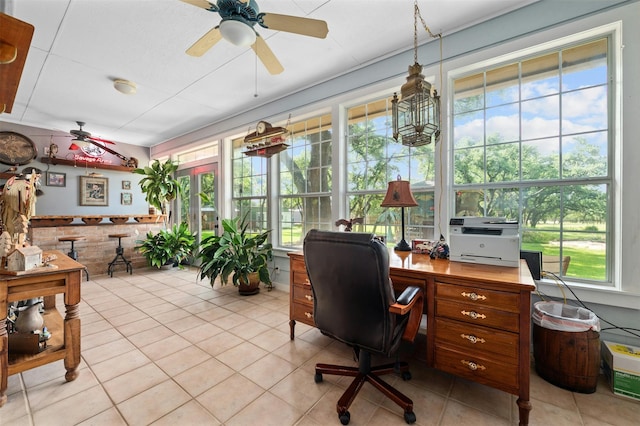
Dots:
{"x": 503, "y": 202}
{"x": 468, "y": 94}
{"x": 470, "y": 203}
{"x": 502, "y": 85}
{"x": 540, "y": 76}
{"x": 469, "y": 166}
{"x": 469, "y": 129}
{"x": 541, "y": 117}
{"x": 541, "y": 159}
{"x": 503, "y": 163}
{"x": 503, "y": 124}
{"x": 584, "y": 65}
{"x": 585, "y": 155}
{"x": 584, "y": 110}
{"x": 540, "y": 207}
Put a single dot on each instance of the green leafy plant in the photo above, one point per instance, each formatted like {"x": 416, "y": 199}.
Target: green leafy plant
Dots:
{"x": 235, "y": 252}
{"x": 175, "y": 245}
{"x": 159, "y": 184}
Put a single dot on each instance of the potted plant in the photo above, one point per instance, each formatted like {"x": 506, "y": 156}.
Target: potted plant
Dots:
{"x": 174, "y": 245}
{"x": 159, "y": 184}
{"x": 237, "y": 254}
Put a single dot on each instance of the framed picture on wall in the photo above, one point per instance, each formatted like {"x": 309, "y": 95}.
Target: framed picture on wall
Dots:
{"x": 126, "y": 184}
{"x": 126, "y": 198}
{"x": 56, "y": 179}
{"x": 94, "y": 191}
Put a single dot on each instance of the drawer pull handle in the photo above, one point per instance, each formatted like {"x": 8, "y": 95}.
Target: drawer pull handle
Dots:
{"x": 473, "y": 339}
{"x": 308, "y": 297}
{"x": 307, "y": 282}
{"x": 472, "y": 365}
{"x": 308, "y": 315}
{"x": 473, "y": 296}
{"x": 473, "y": 314}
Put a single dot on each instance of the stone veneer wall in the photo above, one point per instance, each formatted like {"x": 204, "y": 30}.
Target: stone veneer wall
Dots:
{"x": 97, "y": 249}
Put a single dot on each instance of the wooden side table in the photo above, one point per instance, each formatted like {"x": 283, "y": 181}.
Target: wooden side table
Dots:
{"x": 64, "y": 278}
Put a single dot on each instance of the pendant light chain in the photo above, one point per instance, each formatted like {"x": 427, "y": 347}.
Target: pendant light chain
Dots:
{"x": 416, "y": 12}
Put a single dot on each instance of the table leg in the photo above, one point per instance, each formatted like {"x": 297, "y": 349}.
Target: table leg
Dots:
{"x": 292, "y": 326}
{"x": 524, "y": 408}
{"x": 4, "y": 356}
{"x": 72, "y": 341}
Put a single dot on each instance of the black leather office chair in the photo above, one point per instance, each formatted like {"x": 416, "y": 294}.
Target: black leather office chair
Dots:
{"x": 354, "y": 302}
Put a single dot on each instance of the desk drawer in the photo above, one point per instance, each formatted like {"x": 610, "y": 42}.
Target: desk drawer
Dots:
{"x": 479, "y": 315}
{"x": 302, "y": 293}
{"x": 300, "y": 277}
{"x": 473, "y": 339}
{"x": 303, "y": 313}
{"x": 480, "y": 296}
{"x": 481, "y": 369}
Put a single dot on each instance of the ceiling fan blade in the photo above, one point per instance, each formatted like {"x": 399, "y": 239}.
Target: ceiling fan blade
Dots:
{"x": 204, "y": 4}
{"x": 205, "y": 42}
{"x": 266, "y": 56}
{"x": 295, "y": 24}
{"x": 93, "y": 138}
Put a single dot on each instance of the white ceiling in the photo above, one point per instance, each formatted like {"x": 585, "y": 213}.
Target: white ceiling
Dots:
{"x": 80, "y": 46}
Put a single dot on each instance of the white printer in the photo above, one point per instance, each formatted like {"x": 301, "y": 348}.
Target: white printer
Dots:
{"x": 487, "y": 240}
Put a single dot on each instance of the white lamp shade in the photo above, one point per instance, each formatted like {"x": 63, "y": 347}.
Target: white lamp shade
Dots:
{"x": 237, "y": 32}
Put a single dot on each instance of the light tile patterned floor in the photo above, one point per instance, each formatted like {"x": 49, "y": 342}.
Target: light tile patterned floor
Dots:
{"x": 160, "y": 348}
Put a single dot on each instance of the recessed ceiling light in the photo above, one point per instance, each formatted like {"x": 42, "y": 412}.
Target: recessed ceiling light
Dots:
{"x": 125, "y": 86}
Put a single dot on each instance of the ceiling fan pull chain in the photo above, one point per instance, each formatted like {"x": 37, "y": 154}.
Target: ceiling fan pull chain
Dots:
{"x": 255, "y": 94}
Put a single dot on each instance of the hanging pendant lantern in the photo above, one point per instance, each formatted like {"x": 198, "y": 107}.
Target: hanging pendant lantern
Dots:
{"x": 416, "y": 114}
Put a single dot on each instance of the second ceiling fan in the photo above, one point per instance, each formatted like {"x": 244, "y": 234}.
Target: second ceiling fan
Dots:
{"x": 238, "y": 19}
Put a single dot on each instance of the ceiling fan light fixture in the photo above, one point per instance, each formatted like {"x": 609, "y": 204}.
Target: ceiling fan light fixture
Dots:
{"x": 125, "y": 86}
{"x": 237, "y": 32}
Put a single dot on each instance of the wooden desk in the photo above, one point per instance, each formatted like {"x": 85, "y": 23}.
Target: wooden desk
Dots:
{"x": 478, "y": 317}
{"x": 65, "y": 334}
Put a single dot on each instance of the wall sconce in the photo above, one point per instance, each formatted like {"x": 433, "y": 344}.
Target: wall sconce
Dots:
{"x": 416, "y": 114}
{"x": 399, "y": 195}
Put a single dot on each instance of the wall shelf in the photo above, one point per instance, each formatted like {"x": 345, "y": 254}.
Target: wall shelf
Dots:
{"x": 80, "y": 163}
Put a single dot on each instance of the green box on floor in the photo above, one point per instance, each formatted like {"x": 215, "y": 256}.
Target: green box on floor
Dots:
{"x": 622, "y": 367}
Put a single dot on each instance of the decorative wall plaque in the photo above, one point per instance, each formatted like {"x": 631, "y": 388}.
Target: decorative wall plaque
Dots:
{"x": 16, "y": 149}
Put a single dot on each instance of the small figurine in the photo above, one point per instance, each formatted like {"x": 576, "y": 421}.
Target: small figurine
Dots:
{"x": 348, "y": 224}
{"x": 440, "y": 250}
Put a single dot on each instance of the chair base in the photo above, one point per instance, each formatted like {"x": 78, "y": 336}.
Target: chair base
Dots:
{"x": 366, "y": 373}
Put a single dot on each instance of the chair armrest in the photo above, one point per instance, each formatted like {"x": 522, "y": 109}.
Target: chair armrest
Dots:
{"x": 414, "y": 305}
{"x": 404, "y": 302}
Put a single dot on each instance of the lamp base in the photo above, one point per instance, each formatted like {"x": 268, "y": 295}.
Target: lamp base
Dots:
{"x": 402, "y": 246}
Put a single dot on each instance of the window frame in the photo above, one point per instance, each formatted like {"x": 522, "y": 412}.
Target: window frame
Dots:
{"x": 614, "y": 58}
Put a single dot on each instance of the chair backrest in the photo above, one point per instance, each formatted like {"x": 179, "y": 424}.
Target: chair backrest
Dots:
{"x": 352, "y": 292}
{"x": 553, "y": 264}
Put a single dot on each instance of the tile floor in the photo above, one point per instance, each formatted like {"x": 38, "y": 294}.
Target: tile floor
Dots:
{"x": 160, "y": 348}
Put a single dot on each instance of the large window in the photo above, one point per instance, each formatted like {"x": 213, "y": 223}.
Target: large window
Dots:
{"x": 249, "y": 187}
{"x": 305, "y": 180}
{"x": 373, "y": 159}
{"x": 532, "y": 142}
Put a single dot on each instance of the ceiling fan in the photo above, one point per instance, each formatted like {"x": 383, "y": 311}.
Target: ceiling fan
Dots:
{"x": 238, "y": 19}
{"x": 94, "y": 146}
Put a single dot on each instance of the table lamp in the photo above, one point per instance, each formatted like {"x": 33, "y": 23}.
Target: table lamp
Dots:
{"x": 399, "y": 195}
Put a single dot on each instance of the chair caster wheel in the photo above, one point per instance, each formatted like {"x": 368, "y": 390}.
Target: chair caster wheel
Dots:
{"x": 410, "y": 418}
{"x": 345, "y": 417}
{"x": 317, "y": 378}
{"x": 406, "y": 375}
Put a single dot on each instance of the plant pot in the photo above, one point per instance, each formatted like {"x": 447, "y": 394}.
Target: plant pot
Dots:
{"x": 253, "y": 287}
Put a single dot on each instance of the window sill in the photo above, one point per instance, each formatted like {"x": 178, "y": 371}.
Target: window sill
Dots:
{"x": 601, "y": 296}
